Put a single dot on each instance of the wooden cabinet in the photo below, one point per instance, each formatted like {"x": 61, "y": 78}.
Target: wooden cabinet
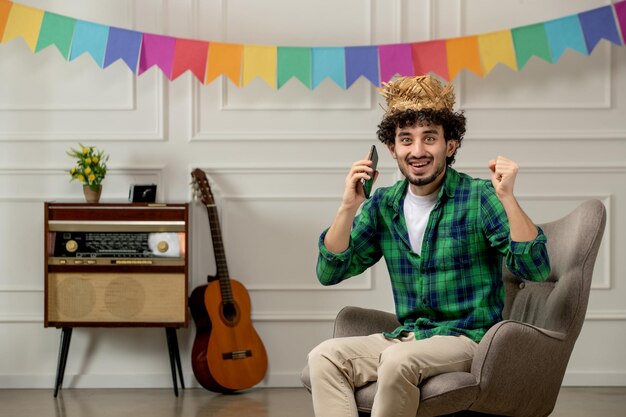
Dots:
{"x": 116, "y": 265}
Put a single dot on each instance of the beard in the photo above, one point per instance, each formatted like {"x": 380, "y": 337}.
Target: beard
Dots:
{"x": 419, "y": 181}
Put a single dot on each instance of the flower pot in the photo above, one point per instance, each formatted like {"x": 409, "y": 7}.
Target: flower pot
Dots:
{"x": 92, "y": 193}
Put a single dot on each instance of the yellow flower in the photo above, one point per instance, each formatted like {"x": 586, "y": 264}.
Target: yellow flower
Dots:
{"x": 91, "y": 164}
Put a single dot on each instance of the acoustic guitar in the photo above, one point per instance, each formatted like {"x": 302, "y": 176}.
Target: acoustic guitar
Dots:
{"x": 228, "y": 354}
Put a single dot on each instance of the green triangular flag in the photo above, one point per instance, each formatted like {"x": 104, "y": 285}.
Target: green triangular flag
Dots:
{"x": 294, "y": 62}
{"x": 56, "y": 30}
{"x": 531, "y": 40}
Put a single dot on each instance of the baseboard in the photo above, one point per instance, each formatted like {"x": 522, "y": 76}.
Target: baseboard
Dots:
{"x": 280, "y": 380}
{"x": 90, "y": 381}
{"x": 594, "y": 379}
{"x": 273, "y": 380}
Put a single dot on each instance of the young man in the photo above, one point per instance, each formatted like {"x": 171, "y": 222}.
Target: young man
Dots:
{"x": 443, "y": 236}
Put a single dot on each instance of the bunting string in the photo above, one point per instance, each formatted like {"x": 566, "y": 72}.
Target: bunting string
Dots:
{"x": 344, "y": 65}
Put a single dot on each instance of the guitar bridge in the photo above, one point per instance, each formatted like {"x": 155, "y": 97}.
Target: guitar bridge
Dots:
{"x": 240, "y": 354}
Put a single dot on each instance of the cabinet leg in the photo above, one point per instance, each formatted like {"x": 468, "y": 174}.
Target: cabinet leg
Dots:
{"x": 64, "y": 348}
{"x": 174, "y": 354}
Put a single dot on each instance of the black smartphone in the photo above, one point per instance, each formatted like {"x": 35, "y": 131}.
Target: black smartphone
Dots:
{"x": 367, "y": 184}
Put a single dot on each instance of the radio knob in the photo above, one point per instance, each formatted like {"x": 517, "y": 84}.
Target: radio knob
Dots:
{"x": 71, "y": 246}
{"x": 162, "y": 246}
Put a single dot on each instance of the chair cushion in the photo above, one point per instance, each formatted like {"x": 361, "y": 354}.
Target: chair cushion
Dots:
{"x": 437, "y": 396}
{"x": 446, "y": 393}
{"x": 441, "y": 394}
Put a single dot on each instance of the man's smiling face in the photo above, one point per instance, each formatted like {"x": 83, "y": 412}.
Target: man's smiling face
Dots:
{"x": 421, "y": 152}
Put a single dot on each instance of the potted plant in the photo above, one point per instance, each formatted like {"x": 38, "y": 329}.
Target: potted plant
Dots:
{"x": 90, "y": 170}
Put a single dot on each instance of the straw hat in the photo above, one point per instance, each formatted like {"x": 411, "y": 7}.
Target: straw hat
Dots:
{"x": 417, "y": 93}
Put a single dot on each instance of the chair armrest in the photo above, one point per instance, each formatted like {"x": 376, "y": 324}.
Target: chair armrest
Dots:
{"x": 356, "y": 321}
{"x": 520, "y": 366}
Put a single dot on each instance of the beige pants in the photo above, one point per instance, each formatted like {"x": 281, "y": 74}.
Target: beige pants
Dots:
{"x": 338, "y": 366}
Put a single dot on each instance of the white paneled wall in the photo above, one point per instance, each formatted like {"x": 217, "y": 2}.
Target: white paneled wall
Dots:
{"x": 276, "y": 161}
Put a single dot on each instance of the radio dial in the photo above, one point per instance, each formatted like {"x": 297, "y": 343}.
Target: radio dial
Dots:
{"x": 71, "y": 246}
{"x": 163, "y": 246}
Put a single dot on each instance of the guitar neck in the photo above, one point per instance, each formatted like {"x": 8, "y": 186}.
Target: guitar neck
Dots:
{"x": 220, "y": 253}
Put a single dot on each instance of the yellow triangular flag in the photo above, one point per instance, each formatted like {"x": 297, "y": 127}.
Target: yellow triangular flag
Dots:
{"x": 259, "y": 61}
{"x": 495, "y": 48}
{"x": 24, "y": 21}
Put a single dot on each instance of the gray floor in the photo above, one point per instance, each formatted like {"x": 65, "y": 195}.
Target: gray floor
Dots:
{"x": 269, "y": 402}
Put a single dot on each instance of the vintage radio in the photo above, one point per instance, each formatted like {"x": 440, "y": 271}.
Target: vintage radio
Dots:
{"x": 116, "y": 264}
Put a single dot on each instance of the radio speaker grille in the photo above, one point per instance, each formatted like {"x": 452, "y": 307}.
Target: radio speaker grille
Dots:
{"x": 116, "y": 298}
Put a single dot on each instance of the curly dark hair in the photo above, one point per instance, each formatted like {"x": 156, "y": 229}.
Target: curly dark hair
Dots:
{"x": 453, "y": 124}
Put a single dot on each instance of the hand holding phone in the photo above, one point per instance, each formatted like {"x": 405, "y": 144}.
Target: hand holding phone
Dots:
{"x": 367, "y": 184}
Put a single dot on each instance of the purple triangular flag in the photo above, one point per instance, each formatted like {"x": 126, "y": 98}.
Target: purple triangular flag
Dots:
{"x": 362, "y": 61}
{"x": 599, "y": 24}
{"x": 125, "y": 45}
{"x": 395, "y": 59}
{"x": 620, "y": 12}
{"x": 157, "y": 50}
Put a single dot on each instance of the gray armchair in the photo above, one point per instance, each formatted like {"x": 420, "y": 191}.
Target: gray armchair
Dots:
{"x": 520, "y": 363}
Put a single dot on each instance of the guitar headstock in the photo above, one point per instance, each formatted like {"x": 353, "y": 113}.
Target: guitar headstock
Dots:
{"x": 201, "y": 187}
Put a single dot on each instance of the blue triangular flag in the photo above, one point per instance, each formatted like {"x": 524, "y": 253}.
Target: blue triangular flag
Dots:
{"x": 362, "y": 61}
{"x": 123, "y": 44}
{"x": 564, "y": 33}
{"x": 599, "y": 24}
{"x": 329, "y": 62}
{"x": 91, "y": 38}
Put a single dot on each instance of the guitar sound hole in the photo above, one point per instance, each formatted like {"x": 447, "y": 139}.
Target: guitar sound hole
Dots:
{"x": 229, "y": 311}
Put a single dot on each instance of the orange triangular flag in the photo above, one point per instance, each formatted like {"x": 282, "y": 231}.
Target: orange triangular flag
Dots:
{"x": 224, "y": 58}
{"x": 463, "y": 53}
{"x": 5, "y": 9}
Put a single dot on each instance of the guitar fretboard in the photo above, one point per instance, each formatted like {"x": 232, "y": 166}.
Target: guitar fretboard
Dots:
{"x": 220, "y": 253}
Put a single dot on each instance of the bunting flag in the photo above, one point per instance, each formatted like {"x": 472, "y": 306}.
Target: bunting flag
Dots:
{"x": 90, "y": 38}
{"x": 259, "y": 61}
{"x": 565, "y": 33}
{"x": 395, "y": 60}
{"x": 224, "y": 58}
{"x": 157, "y": 50}
{"x": 311, "y": 66}
{"x": 599, "y": 24}
{"x": 5, "y": 9}
{"x": 190, "y": 55}
{"x": 361, "y": 61}
{"x": 620, "y": 11}
{"x": 497, "y": 48}
{"x": 328, "y": 63}
{"x": 24, "y": 22}
{"x": 431, "y": 57}
{"x": 294, "y": 62}
{"x": 125, "y": 45}
{"x": 463, "y": 53}
{"x": 58, "y": 31}
{"x": 530, "y": 41}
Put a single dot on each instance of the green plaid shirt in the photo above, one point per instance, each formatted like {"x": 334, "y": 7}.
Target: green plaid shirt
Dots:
{"x": 454, "y": 287}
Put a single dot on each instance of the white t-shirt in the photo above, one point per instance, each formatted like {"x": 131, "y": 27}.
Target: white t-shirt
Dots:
{"x": 417, "y": 209}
